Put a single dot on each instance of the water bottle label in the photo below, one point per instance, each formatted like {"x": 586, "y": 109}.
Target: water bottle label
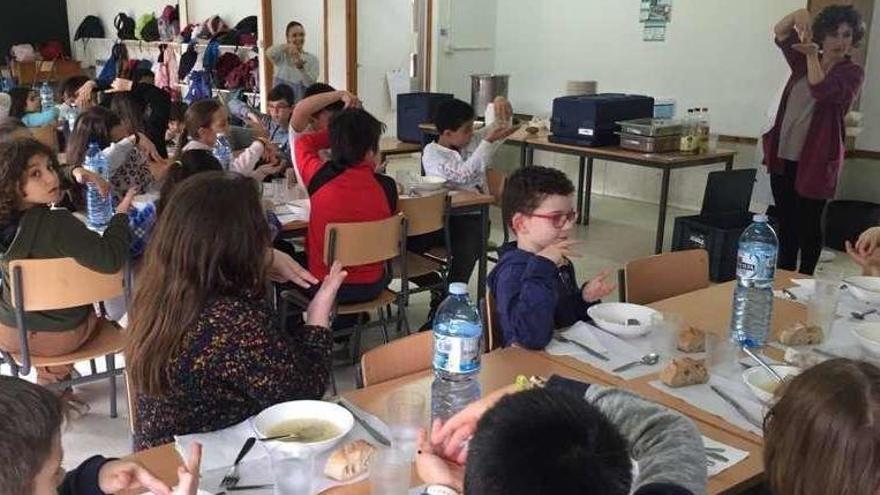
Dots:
{"x": 457, "y": 355}
{"x": 755, "y": 265}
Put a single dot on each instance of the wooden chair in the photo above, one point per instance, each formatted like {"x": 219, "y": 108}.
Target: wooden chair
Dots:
{"x": 653, "y": 278}
{"x": 425, "y": 215}
{"x": 60, "y": 283}
{"x": 131, "y": 398}
{"x": 48, "y": 135}
{"x": 361, "y": 243}
{"x": 492, "y": 337}
{"x": 496, "y": 180}
{"x": 402, "y": 357}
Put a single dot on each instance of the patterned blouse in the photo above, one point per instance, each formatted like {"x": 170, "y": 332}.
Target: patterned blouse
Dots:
{"x": 235, "y": 363}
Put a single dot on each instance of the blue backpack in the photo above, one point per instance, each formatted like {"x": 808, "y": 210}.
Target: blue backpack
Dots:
{"x": 119, "y": 53}
{"x": 212, "y": 54}
{"x": 199, "y": 86}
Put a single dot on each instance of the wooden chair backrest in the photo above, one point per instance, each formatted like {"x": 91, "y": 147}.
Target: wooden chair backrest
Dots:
{"x": 496, "y": 180}
{"x": 59, "y": 283}
{"x": 423, "y": 214}
{"x": 48, "y": 135}
{"x": 362, "y": 243}
{"x": 401, "y": 357}
{"x": 666, "y": 275}
{"x": 492, "y": 332}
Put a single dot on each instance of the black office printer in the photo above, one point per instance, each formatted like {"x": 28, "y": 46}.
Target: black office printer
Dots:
{"x": 589, "y": 120}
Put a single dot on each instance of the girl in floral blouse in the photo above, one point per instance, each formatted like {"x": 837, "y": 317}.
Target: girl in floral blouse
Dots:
{"x": 204, "y": 351}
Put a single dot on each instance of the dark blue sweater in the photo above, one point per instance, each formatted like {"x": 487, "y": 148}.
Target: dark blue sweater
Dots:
{"x": 84, "y": 479}
{"x": 533, "y": 297}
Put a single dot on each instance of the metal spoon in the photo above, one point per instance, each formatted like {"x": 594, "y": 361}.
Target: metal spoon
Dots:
{"x": 647, "y": 359}
{"x": 861, "y": 316}
{"x": 763, "y": 364}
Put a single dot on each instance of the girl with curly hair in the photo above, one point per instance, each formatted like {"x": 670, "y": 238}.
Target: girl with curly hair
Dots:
{"x": 804, "y": 149}
{"x": 31, "y": 227}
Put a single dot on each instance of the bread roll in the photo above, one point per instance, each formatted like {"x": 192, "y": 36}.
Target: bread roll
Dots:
{"x": 801, "y": 334}
{"x": 691, "y": 339}
{"x": 349, "y": 461}
{"x": 682, "y": 372}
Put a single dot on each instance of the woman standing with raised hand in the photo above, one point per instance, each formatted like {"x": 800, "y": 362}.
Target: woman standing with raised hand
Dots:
{"x": 804, "y": 149}
{"x": 294, "y": 66}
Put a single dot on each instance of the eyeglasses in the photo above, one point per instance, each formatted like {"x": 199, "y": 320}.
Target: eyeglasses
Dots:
{"x": 278, "y": 106}
{"x": 558, "y": 220}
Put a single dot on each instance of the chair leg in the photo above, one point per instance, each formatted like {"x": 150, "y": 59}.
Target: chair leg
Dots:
{"x": 384, "y": 322}
{"x": 356, "y": 345}
{"x": 332, "y": 378}
{"x": 94, "y": 366}
{"x": 111, "y": 366}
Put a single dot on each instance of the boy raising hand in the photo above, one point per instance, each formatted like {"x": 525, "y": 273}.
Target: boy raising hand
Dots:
{"x": 534, "y": 282}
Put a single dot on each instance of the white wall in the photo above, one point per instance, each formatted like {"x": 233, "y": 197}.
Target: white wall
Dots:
{"x": 870, "y": 103}
{"x": 309, "y": 13}
{"x": 337, "y": 48}
{"x": 464, "y": 42}
{"x": 230, "y": 11}
{"x": 718, "y": 54}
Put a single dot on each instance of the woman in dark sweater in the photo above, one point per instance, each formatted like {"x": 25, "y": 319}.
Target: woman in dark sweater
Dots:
{"x": 804, "y": 149}
{"x": 205, "y": 352}
{"x": 31, "y": 227}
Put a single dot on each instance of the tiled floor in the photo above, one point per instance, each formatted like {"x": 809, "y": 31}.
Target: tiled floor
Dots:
{"x": 619, "y": 230}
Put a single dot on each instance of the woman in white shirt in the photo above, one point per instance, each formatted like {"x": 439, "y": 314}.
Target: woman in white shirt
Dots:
{"x": 293, "y": 65}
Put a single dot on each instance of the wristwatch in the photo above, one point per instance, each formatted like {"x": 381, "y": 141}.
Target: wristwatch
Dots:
{"x": 439, "y": 490}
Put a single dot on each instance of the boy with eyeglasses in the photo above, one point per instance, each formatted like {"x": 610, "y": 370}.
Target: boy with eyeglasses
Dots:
{"x": 534, "y": 283}
{"x": 274, "y": 125}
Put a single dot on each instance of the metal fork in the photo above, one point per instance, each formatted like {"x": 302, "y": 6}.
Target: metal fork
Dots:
{"x": 231, "y": 478}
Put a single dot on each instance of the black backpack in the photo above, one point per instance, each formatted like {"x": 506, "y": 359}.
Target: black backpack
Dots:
{"x": 124, "y": 27}
{"x": 150, "y": 31}
{"x": 90, "y": 27}
{"x": 247, "y": 25}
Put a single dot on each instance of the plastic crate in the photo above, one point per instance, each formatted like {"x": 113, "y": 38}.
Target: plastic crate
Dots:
{"x": 718, "y": 235}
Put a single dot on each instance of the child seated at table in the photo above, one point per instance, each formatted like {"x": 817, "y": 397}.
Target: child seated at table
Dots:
{"x": 205, "y": 120}
{"x": 313, "y": 113}
{"x": 823, "y": 433}
{"x": 176, "y": 126}
{"x": 32, "y": 228}
{"x": 569, "y": 438}
{"x": 343, "y": 189}
{"x": 25, "y": 105}
{"x": 31, "y": 452}
{"x": 534, "y": 282}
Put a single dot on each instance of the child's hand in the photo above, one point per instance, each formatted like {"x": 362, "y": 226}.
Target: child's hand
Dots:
{"x": 84, "y": 95}
{"x": 868, "y": 260}
{"x": 188, "y": 474}
{"x": 434, "y": 470}
{"x": 283, "y": 268}
{"x": 267, "y": 169}
{"x": 125, "y": 204}
{"x": 497, "y": 133}
{"x": 257, "y": 126}
{"x": 318, "y": 312}
{"x": 147, "y": 147}
{"x": 557, "y": 253}
{"x": 117, "y": 476}
{"x": 83, "y": 176}
{"x": 120, "y": 85}
{"x": 869, "y": 241}
{"x": 598, "y": 287}
{"x": 350, "y": 100}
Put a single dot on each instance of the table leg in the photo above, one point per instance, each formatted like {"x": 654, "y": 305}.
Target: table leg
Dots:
{"x": 484, "y": 241}
{"x": 530, "y": 156}
{"x": 728, "y": 164}
{"x": 523, "y": 151}
{"x": 661, "y": 219}
{"x": 580, "y": 190}
{"x": 588, "y": 188}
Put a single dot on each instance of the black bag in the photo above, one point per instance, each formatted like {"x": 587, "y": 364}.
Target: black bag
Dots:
{"x": 124, "y": 27}
{"x": 90, "y": 27}
{"x": 150, "y": 31}
{"x": 591, "y": 120}
{"x": 187, "y": 61}
{"x": 247, "y": 25}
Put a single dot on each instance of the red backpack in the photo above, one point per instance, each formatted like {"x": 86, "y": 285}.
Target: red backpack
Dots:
{"x": 244, "y": 76}
{"x": 52, "y": 50}
{"x": 226, "y": 64}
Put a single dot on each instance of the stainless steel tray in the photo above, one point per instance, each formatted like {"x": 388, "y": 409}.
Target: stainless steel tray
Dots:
{"x": 650, "y": 127}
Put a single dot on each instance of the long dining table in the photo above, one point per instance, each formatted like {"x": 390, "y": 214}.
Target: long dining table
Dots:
{"x": 499, "y": 368}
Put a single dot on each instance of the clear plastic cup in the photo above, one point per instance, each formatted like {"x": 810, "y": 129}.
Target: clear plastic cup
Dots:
{"x": 722, "y": 355}
{"x": 390, "y": 473}
{"x": 279, "y": 188}
{"x": 292, "y": 468}
{"x": 406, "y": 415}
{"x": 822, "y": 306}
{"x": 664, "y": 334}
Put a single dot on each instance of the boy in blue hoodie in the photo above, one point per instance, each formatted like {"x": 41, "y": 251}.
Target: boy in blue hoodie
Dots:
{"x": 534, "y": 283}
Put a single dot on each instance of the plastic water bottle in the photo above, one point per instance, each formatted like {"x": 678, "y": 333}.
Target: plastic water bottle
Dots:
{"x": 223, "y": 151}
{"x": 99, "y": 208}
{"x": 458, "y": 331}
{"x": 753, "y": 296}
{"x": 47, "y": 96}
{"x": 70, "y": 116}
{"x": 6, "y": 84}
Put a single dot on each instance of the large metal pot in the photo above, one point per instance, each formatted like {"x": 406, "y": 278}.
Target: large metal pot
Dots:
{"x": 484, "y": 89}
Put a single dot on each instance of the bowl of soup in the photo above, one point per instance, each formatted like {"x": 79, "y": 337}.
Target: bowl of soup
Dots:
{"x": 763, "y": 385}
{"x": 314, "y": 424}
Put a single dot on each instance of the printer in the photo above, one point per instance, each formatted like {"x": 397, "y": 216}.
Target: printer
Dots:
{"x": 590, "y": 120}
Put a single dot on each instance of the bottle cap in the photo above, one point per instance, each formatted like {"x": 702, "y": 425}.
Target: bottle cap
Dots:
{"x": 760, "y": 217}
{"x": 458, "y": 288}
